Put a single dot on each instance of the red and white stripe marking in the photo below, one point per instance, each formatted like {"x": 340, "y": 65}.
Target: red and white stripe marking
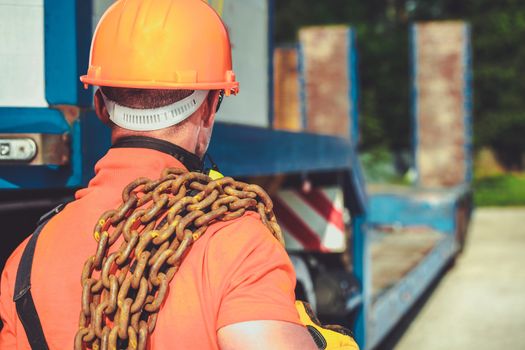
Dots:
{"x": 312, "y": 221}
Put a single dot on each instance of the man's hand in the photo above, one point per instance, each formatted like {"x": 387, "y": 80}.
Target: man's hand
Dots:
{"x": 264, "y": 335}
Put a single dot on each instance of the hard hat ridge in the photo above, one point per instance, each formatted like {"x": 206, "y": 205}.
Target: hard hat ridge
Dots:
{"x": 161, "y": 44}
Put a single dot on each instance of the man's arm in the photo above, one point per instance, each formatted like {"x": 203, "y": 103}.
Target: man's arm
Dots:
{"x": 255, "y": 335}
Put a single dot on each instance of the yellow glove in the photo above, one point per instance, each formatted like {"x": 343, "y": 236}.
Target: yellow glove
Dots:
{"x": 325, "y": 337}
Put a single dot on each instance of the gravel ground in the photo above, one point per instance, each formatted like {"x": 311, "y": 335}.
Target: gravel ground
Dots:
{"x": 480, "y": 303}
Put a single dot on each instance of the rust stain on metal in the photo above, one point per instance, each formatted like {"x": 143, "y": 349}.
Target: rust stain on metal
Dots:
{"x": 71, "y": 113}
{"x": 326, "y": 78}
{"x": 440, "y": 103}
{"x": 287, "y": 111}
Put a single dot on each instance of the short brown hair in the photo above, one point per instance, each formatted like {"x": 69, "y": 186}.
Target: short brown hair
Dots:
{"x": 144, "y": 98}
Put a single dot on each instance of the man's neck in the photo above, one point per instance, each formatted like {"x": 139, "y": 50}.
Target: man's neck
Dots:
{"x": 190, "y": 160}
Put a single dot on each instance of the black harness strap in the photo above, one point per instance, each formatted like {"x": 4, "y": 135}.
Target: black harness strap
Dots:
{"x": 25, "y": 306}
{"x": 190, "y": 160}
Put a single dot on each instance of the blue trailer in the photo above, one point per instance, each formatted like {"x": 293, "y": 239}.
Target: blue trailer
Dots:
{"x": 397, "y": 240}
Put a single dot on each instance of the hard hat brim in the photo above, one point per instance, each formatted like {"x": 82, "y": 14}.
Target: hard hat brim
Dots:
{"x": 228, "y": 87}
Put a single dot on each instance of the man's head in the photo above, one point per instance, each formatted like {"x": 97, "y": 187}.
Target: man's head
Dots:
{"x": 157, "y": 69}
{"x": 192, "y": 133}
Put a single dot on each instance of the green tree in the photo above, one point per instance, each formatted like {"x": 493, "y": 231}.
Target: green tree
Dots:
{"x": 383, "y": 60}
{"x": 498, "y": 29}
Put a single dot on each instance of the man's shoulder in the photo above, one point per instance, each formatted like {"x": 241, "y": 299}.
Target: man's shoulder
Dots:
{"x": 247, "y": 229}
{"x": 241, "y": 240}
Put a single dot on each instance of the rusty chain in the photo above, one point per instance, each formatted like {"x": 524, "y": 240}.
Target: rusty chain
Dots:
{"x": 123, "y": 289}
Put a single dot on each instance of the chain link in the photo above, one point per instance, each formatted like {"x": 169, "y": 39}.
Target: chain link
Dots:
{"x": 123, "y": 290}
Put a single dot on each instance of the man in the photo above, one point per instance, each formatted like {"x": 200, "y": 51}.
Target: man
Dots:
{"x": 163, "y": 66}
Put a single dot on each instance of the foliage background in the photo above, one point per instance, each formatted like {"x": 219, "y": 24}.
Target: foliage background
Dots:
{"x": 498, "y": 29}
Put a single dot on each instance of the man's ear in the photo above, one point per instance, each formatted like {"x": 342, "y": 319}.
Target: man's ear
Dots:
{"x": 212, "y": 102}
{"x": 100, "y": 107}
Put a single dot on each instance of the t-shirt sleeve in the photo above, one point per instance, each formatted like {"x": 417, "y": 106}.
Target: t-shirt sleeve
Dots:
{"x": 258, "y": 277}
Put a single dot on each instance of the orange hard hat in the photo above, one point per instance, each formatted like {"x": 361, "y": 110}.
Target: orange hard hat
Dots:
{"x": 161, "y": 44}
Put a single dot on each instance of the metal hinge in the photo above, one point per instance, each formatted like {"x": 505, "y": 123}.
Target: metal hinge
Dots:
{"x": 34, "y": 149}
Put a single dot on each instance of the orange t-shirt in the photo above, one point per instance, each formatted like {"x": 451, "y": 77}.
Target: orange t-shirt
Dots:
{"x": 235, "y": 272}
